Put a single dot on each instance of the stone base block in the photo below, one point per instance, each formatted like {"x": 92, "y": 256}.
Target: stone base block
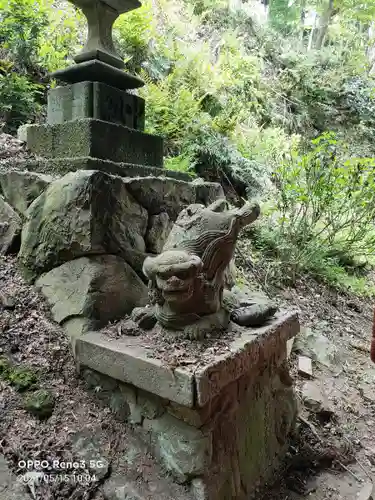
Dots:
{"x": 220, "y": 427}
{"x": 97, "y": 139}
{"x": 95, "y": 100}
{"x": 59, "y": 166}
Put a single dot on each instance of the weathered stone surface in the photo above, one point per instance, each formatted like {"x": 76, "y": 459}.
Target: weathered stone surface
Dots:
{"x": 62, "y": 166}
{"x": 84, "y": 212}
{"x": 315, "y": 399}
{"x": 120, "y": 398}
{"x": 20, "y": 189}
{"x": 100, "y": 288}
{"x": 159, "y": 227}
{"x": 95, "y": 100}
{"x": 95, "y": 138}
{"x": 318, "y": 347}
{"x": 207, "y": 192}
{"x": 183, "y": 449}
{"x": 127, "y": 361}
{"x": 22, "y": 132}
{"x": 161, "y": 194}
{"x": 151, "y": 406}
{"x": 248, "y": 353}
{"x": 93, "y": 448}
{"x": 10, "y": 227}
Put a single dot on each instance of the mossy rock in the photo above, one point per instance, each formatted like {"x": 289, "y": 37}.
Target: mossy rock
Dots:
{"x": 21, "y": 378}
{"x": 40, "y": 403}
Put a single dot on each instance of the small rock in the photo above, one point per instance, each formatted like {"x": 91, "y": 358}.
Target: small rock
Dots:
{"x": 92, "y": 446}
{"x": 315, "y": 399}
{"x": 40, "y": 403}
{"x": 367, "y": 392}
{"x": 318, "y": 347}
{"x": 7, "y": 301}
{"x": 366, "y": 492}
{"x": 370, "y": 454}
{"x": 114, "y": 490}
{"x": 305, "y": 367}
{"x": 351, "y": 304}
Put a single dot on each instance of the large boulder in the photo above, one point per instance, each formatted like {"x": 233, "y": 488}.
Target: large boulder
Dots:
{"x": 10, "y": 228}
{"x": 21, "y": 188}
{"x": 159, "y": 228}
{"x": 97, "y": 289}
{"x": 83, "y": 213}
{"x": 162, "y": 194}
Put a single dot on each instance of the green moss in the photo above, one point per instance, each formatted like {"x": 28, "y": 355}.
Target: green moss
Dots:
{"x": 40, "y": 403}
{"x": 21, "y": 378}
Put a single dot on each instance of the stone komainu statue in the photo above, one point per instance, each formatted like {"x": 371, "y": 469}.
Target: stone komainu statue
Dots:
{"x": 186, "y": 281}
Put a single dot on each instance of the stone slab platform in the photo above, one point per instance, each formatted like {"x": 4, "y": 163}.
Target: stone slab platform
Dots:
{"x": 63, "y": 166}
{"x": 127, "y": 360}
{"x": 57, "y": 166}
{"x": 95, "y": 100}
{"x": 97, "y": 139}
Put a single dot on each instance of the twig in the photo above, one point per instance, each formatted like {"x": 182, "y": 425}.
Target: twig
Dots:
{"x": 358, "y": 479}
{"x": 358, "y": 462}
{"x": 363, "y": 468}
{"x": 310, "y": 426}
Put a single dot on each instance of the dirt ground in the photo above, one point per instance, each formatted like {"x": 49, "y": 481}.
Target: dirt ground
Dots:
{"x": 333, "y": 458}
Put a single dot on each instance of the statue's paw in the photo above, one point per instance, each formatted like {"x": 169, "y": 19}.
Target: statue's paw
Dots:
{"x": 255, "y": 315}
{"x": 144, "y": 317}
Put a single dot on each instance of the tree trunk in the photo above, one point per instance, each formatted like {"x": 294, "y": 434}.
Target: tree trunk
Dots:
{"x": 324, "y": 25}
{"x": 302, "y": 19}
{"x": 371, "y": 48}
{"x": 235, "y": 5}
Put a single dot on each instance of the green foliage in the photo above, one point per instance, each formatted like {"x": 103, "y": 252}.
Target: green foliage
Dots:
{"x": 322, "y": 217}
{"x": 40, "y": 403}
{"x": 21, "y": 28}
{"x": 18, "y": 98}
{"x": 284, "y": 15}
{"x": 19, "y": 377}
{"x": 133, "y": 33}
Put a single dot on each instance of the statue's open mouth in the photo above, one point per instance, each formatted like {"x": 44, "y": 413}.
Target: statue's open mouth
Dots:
{"x": 177, "y": 294}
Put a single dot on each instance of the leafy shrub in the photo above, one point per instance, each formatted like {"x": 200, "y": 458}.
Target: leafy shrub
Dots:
{"x": 322, "y": 217}
{"x": 18, "y": 98}
{"x": 21, "y": 26}
{"x": 133, "y": 34}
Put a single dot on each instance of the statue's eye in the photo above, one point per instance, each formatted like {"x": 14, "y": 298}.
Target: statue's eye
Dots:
{"x": 183, "y": 275}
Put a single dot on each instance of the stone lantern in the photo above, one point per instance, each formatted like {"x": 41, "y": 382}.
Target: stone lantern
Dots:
{"x": 94, "y": 119}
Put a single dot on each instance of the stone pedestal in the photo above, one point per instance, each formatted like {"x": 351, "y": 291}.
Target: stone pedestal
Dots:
{"x": 95, "y": 100}
{"x": 220, "y": 425}
{"x": 96, "y": 139}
